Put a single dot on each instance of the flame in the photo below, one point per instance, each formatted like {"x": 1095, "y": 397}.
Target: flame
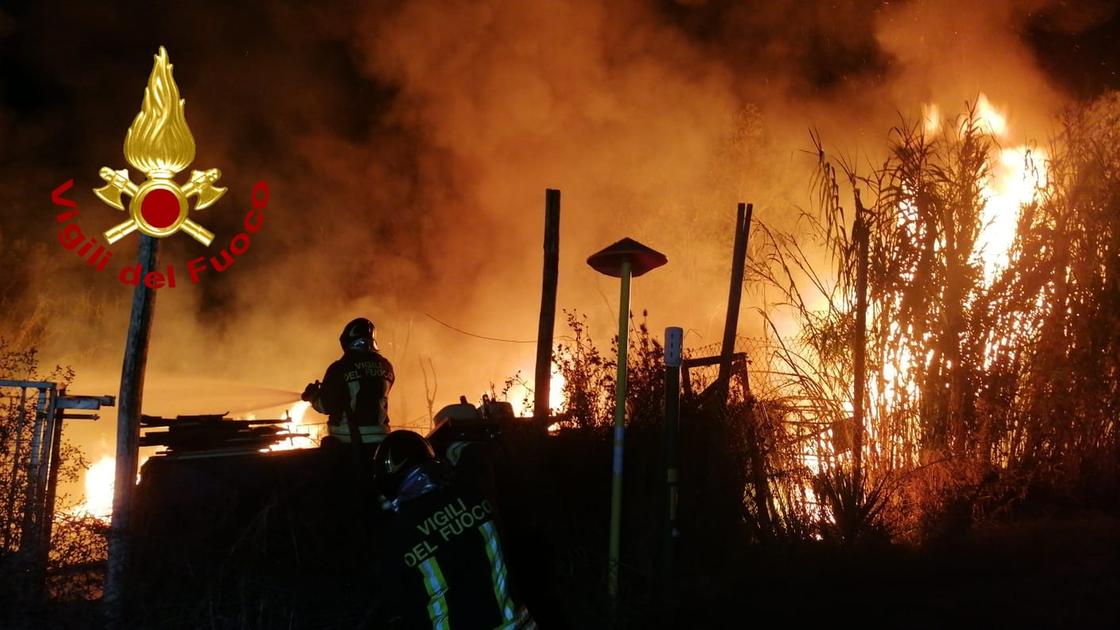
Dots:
{"x": 556, "y": 392}
{"x": 159, "y": 140}
{"x": 1015, "y": 177}
{"x": 931, "y": 118}
{"x": 296, "y": 413}
{"x": 295, "y": 424}
{"x": 1015, "y": 180}
{"x": 520, "y": 396}
{"x": 98, "y": 501}
{"x": 991, "y": 119}
{"x": 99, "y": 484}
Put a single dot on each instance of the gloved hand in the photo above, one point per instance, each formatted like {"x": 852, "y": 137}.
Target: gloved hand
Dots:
{"x": 310, "y": 392}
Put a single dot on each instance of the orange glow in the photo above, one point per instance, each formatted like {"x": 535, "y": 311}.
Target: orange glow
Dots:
{"x": 99, "y": 483}
{"x": 991, "y": 119}
{"x": 931, "y": 118}
{"x": 556, "y": 392}
{"x": 521, "y": 397}
{"x": 98, "y": 500}
{"x": 295, "y": 424}
{"x": 1016, "y": 177}
{"x": 1015, "y": 180}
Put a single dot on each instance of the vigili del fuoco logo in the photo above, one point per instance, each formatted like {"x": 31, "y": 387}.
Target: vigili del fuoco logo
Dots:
{"x": 160, "y": 145}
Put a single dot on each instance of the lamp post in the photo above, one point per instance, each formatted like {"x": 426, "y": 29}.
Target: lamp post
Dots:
{"x": 625, "y": 259}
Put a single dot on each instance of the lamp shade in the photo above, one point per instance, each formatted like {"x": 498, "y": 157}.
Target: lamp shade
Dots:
{"x": 642, "y": 259}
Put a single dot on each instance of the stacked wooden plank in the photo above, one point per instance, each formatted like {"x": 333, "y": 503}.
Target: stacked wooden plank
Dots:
{"x": 211, "y": 435}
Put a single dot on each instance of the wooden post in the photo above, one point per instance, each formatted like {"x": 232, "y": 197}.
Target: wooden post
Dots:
{"x": 542, "y": 377}
{"x": 674, "y": 341}
{"x": 758, "y": 474}
{"x": 861, "y": 235}
{"x": 734, "y": 296}
{"x": 52, "y": 492}
{"x": 128, "y": 432}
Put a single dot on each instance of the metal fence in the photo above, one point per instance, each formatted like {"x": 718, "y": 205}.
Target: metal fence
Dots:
{"x": 31, "y": 417}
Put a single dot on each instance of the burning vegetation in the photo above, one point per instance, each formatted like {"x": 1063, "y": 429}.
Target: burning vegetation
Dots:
{"x": 987, "y": 270}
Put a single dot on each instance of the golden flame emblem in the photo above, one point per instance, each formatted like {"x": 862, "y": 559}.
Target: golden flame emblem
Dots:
{"x": 160, "y": 144}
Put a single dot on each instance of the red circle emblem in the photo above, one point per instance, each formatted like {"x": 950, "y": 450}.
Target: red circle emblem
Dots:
{"x": 160, "y": 208}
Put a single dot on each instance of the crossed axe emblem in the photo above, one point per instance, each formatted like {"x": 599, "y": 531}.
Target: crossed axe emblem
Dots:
{"x": 159, "y": 205}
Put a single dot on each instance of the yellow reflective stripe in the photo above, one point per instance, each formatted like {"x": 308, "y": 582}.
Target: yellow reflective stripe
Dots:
{"x": 370, "y": 432}
{"x": 455, "y": 451}
{"x": 437, "y": 594}
{"x": 497, "y": 571}
{"x": 523, "y": 621}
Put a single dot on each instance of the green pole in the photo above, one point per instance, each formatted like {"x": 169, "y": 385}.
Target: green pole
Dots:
{"x": 619, "y": 435}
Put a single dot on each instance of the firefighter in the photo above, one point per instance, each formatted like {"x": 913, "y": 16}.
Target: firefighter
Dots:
{"x": 441, "y": 563}
{"x": 355, "y": 389}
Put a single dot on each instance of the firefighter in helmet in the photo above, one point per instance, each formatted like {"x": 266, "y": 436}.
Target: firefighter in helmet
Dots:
{"x": 354, "y": 392}
{"x": 441, "y": 565}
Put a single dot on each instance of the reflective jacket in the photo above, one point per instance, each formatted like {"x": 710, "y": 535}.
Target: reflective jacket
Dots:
{"x": 442, "y": 565}
{"x": 357, "y": 386}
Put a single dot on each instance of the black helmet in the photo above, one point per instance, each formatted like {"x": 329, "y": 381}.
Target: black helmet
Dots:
{"x": 399, "y": 453}
{"x": 359, "y": 334}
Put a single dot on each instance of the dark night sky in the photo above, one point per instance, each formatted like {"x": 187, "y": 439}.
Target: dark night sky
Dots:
{"x": 47, "y": 50}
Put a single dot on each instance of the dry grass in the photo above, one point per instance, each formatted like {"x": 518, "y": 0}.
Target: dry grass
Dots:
{"x": 984, "y": 392}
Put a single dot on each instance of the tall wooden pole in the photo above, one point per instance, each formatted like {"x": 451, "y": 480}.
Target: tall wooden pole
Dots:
{"x": 543, "y": 375}
{"x": 860, "y": 232}
{"x": 734, "y": 296}
{"x": 128, "y": 432}
{"x": 619, "y": 435}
